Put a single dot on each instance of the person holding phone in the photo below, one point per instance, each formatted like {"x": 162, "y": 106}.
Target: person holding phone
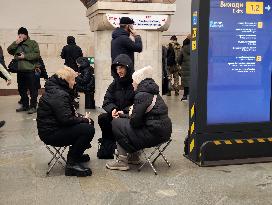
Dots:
{"x": 27, "y": 53}
{"x": 125, "y": 40}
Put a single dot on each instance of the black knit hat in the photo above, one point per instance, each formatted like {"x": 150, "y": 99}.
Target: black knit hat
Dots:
{"x": 126, "y": 20}
{"x": 174, "y": 38}
{"x": 23, "y": 30}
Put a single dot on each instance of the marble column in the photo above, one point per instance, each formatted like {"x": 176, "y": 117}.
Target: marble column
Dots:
{"x": 151, "y": 19}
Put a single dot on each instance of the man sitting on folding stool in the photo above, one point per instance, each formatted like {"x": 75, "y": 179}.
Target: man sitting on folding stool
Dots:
{"x": 60, "y": 126}
{"x": 147, "y": 125}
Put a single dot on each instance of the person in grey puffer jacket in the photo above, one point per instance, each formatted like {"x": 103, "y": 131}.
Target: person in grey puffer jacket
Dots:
{"x": 147, "y": 125}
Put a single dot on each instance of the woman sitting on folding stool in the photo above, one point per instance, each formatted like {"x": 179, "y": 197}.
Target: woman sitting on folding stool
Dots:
{"x": 146, "y": 126}
{"x": 59, "y": 125}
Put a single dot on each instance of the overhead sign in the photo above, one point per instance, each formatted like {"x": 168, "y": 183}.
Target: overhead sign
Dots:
{"x": 143, "y": 22}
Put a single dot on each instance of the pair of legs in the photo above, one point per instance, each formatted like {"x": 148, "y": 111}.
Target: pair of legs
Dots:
{"x": 78, "y": 137}
{"x": 126, "y": 151}
{"x": 173, "y": 72}
{"x": 107, "y": 142}
{"x": 26, "y": 81}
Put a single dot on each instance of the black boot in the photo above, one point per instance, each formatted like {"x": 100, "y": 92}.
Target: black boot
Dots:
{"x": 106, "y": 148}
{"x": 74, "y": 168}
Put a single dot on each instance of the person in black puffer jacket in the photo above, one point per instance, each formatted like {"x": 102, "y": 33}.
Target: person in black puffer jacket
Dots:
{"x": 85, "y": 81}
{"x": 122, "y": 43}
{"x": 118, "y": 98}
{"x": 70, "y": 53}
{"x": 59, "y": 125}
{"x": 148, "y": 124}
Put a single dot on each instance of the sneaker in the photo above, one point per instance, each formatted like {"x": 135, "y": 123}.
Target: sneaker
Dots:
{"x": 2, "y": 123}
{"x": 32, "y": 110}
{"x": 183, "y": 98}
{"x": 22, "y": 109}
{"x": 134, "y": 158}
{"x": 120, "y": 163}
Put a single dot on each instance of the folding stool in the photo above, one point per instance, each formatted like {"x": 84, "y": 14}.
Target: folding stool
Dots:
{"x": 157, "y": 152}
{"x": 56, "y": 156}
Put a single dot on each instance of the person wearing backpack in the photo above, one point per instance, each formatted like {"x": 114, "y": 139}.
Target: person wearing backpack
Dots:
{"x": 173, "y": 53}
{"x": 146, "y": 125}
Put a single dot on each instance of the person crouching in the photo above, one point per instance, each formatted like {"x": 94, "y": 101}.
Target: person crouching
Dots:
{"x": 146, "y": 126}
{"x": 59, "y": 125}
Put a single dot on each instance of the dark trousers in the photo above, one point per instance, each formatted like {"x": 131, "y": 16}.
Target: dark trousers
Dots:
{"x": 186, "y": 91}
{"x": 26, "y": 81}
{"x": 79, "y": 136}
{"x": 104, "y": 121}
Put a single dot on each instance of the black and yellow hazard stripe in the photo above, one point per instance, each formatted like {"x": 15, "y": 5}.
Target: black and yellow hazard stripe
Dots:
{"x": 192, "y": 127}
{"x": 242, "y": 141}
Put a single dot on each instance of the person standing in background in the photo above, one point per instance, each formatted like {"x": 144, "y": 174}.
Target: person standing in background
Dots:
{"x": 173, "y": 52}
{"x": 27, "y": 53}
{"x": 125, "y": 40}
{"x": 184, "y": 62}
{"x": 70, "y": 53}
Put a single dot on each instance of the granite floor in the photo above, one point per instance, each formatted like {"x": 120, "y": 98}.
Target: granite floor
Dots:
{"x": 23, "y": 165}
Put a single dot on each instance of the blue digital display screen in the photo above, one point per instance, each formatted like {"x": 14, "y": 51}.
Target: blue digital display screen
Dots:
{"x": 239, "y": 62}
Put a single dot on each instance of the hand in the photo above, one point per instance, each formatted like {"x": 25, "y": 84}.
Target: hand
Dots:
{"x": 22, "y": 56}
{"x": 114, "y": 114}
{"x": 19, "y": 40}
{"x": 120, "y": 113}
{"x": 133, "y": 32}
{"x": 88, "y": 115}
{"x": 8, "y": 82}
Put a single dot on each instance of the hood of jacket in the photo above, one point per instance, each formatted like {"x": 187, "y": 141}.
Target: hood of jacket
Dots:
{"x": 71, "y": 40}
{"x": 125, "y": 60}
{"x": 148, "y": 85}
{"x": 83, "y": 62}
{"x": 119, "y": 32}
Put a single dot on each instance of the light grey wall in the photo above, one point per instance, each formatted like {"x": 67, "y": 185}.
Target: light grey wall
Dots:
{"x": 43, "y": 14}
{"x": 69, "y": 15}
{"x": 181, "y": 23}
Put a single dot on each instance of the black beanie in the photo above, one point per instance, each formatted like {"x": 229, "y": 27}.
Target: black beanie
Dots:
{"x": 23, "y": 30}
{"x": 126, "y": 20}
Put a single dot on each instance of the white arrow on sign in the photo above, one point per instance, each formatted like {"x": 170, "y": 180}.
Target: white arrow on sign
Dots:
{"x": 268, "y": 8}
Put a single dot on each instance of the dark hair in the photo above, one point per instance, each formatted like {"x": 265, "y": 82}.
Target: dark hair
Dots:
{"x": 174, "y": 38}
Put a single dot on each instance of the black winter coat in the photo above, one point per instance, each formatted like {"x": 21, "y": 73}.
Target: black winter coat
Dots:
{"x": 120, "y": 92}
{"x": 144, "y": 129}
{"x": 122, "y": 44}
{"x": 70, "y": 53}
{"x": 85, "y": 82}
{"x": 55, "y": 109}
